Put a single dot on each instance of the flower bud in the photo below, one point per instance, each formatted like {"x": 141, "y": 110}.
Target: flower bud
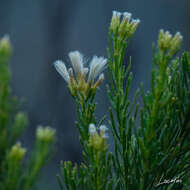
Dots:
{"x": 124, "y": 26}
{"x": 17, "y": 152}
{"x": 103, "y": 131}
{"x": 127, "y": 27}
{"x": 115, "y": 21}
{"x": 92, "y": 129}
{"x": 19, "y": 124}
{"x": 134, "y": 25}
{"x": 164, "y": 40}
{"x": 176, "y": 43}
{"x": 97, "y": 141}
{"x": 5, "y": 45}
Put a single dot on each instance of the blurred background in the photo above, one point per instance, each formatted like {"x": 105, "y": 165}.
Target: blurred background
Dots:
{"x": 45, "y": 30}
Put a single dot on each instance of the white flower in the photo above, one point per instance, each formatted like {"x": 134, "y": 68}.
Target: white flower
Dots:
{"x": 97, "y": 65}
{"x": 92, "y": 129}
{"x": 62, "y": 70}
{"x": 77, "y": 62}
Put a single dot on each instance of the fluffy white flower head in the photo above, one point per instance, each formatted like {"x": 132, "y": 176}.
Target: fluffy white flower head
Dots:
{"x": 62, "y": 70}
{"x": 77, "y": 62}
{"x": 76, "y": 77}
{"x": 97, "y": 65}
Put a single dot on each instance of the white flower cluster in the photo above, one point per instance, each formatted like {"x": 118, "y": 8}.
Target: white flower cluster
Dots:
{"x": 126, "y": 16}
{"x": 169, "y": 35}
{"x": 97, "y": 65}
{"x": 167, "y": 41}
{"x": 126, "y": 26}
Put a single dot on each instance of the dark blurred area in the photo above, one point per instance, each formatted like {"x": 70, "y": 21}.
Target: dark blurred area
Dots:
{"x": 43, "y": 31}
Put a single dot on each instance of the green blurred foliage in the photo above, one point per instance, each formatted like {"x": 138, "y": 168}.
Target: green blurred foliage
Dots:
{"x": 17, "y": 173}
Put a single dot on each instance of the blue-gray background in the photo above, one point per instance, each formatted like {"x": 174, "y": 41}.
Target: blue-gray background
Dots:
{"x": 45, "y": 30}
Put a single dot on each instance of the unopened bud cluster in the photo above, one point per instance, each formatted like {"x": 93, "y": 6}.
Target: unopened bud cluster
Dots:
{"x": 45, "y": 134}
{"x": 167, "y": 42}
{"x": 98, "y": 140}
{"x": 78, "y": 82}
{"x": 123, "y": 24}
{"x": 17, "y": 152}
